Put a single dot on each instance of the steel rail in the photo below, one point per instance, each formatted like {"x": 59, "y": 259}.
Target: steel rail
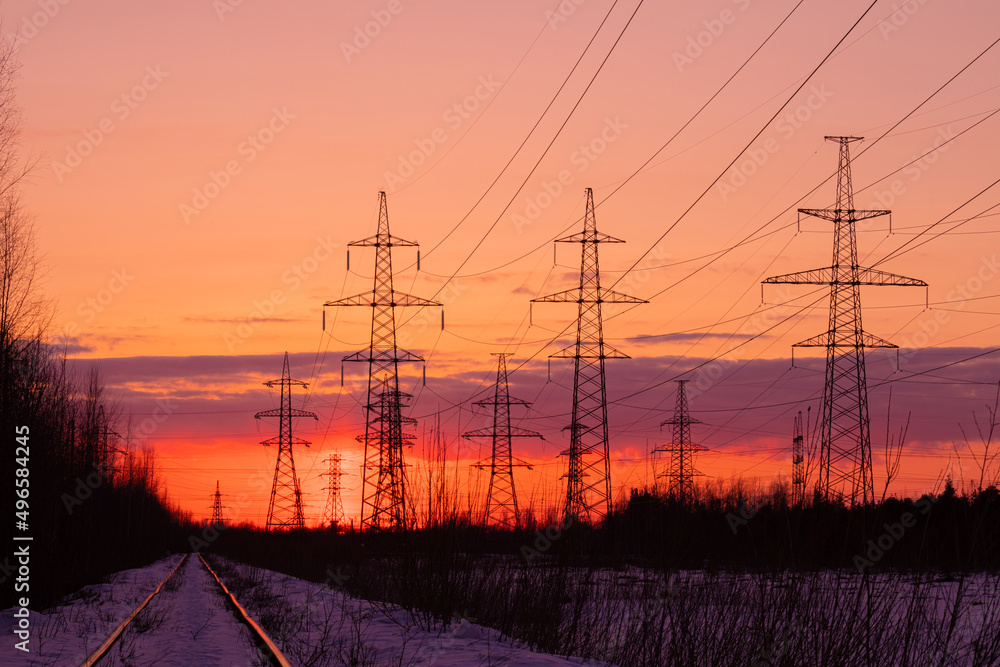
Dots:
{"x": 266, "y": 646}
{"x": 103, "y": 648}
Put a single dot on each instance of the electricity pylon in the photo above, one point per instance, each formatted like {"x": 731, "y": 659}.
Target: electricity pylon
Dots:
{"x": 284, "y": 510}
{"x": 217, "y": 518}
{"x": 501, "y": 498}
{"x": 681, "y": 471}
{"x": 798, "y": 462}
{"x": 588, "y": 479}
{"x": 333, "y": 516}
{"x": 383, "y": 487}
{"x": 845, "y": 466}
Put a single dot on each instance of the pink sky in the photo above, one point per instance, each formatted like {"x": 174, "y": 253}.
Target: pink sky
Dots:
{"x": 204, "y": 164}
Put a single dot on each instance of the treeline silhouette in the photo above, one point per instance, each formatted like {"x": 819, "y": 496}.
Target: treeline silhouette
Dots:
{"x": 93, "y": 505}
{"x": 726, "y": 526}
{"x": 635, "y": 590}
{"x": 88, "y": 499}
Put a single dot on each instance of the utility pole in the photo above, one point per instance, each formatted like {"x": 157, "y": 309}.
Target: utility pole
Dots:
{"x": 681, "y": 471}
{"x": 284, "y": 511}
{"x": 217, "y": 518}
{"x": 501, "y": 498}
{"x": 333, "y": 516}
{"x": 845, "y": 467}
{"x": 588, "y": 479}
{"x": 383, "y": 488}
{"x": 798, "y": 462}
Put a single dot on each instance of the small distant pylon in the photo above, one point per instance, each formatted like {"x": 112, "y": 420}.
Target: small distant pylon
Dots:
{"x": 383, "y": 486}
{"x": 588, "y": 479}
{"x": 681, "y": 471}
{"x": 501, "y": 498}
{"x": 284, "y": 511}
{"x": 798, "y": 462}
{"x": 217, "y": 518}
{"x": 334, "y": 514}
{"x": 845, "y": 467}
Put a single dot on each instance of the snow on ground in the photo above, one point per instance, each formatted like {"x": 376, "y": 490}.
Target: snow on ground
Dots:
{"x": 69, "y": 633}
{"x": 314, "y": 624}
{"x": 187, "y": 623}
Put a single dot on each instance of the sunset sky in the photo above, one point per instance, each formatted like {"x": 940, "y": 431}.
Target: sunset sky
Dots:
{"x": 202, "y": 166}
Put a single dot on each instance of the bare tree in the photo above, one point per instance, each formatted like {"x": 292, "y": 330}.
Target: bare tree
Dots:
{"x": 24, "y": 310}
{"x": 985, "y": 427}
{"x": 893, "y": 447}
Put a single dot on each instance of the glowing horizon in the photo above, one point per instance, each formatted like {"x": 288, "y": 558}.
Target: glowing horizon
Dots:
{"x": 201, "y": 173}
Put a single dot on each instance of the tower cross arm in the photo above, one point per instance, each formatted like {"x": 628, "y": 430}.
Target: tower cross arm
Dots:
{"x": 589, "y": 350}
{"x": 589, "y": 237}
{"x": 575, "y": 295}
{"x": 277, "y": 440}
{"x": 829, "y": 275}
{"x": 384, "y": 240}
{"x": 828, "y": 339}
{"x": 878, "y": 277}
{"x": 502, "y": 401}
{"x": 398, "y": 355}
{"x": 489, "y": 432}
{"x": 837, "y": 214}
{"x": 514, "y": 463}
{"x": 373, "y": 299}
{"x": 292, "y": 412}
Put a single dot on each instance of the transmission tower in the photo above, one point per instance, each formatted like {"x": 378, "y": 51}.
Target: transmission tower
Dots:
{"x": 588, "y": 479}
{"x": 681, "y": 471}
{"x": 845, "y": 440}
{"x": 334, "y": 514}
{"x": 501, "y": 498}
{"x": 217, "y": 518}
{"x": 285, "y": 507}
{"x": 798, "y": 462}
{"x": 383, "y": 487}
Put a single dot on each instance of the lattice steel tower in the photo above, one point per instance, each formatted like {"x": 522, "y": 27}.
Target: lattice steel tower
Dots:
{"x": 333, "y": 516}
{"x": 588, "y": 479}
{"x": 383, "y": 489}
{"x": 501, "y": 498}
{"x": 798, "y": 462}
{"x": 845, "y": 439}
{"x": 217, "y": 518}
{"x": 284, "y": 510}
{"x": 681, "y": 471}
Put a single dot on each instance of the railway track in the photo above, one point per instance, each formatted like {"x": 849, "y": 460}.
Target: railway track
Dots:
{"x": 264, "y": 644}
